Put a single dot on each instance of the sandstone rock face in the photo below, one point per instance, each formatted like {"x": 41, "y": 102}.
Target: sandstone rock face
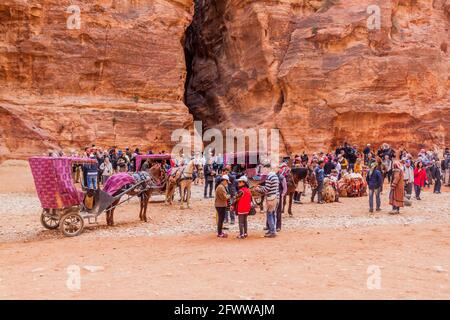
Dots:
{"x": 117, "y": 80}
{"x": 321, "y": 72}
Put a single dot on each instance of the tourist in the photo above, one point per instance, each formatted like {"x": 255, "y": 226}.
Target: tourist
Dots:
{"x": 387, "y": 168}
{"x": 91, "y": 172}
{"x": 106, "y": 170}
{"x": 320, "y": 176}
{"x": 209, "y": 173}
{"x": 374, "y": 182}
{"x": 358, "y": 166}
{"x": 420, "y": 177}
{"x": 408, "y": 176}
{"x": 446, "y": 167}
{"x": 243, "y": 205}
{"x": 271, "y": 191}
{"x": 437, "y": 176}
{"x": 329, "y": 166}
{"x": 221, "y": 203}
{"x": 397, "y": 194}
{"x": 366, "y": 153}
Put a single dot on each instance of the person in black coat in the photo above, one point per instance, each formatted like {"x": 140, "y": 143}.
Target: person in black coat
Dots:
{"x": 209, "y": 178}
{"x": 436, "y": 174}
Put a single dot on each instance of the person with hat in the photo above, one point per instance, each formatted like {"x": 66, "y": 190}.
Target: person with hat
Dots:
{"x": 221, "y": 204}
{"x": 243, "y": 205}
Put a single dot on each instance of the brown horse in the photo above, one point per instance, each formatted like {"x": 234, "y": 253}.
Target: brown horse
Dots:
{"x": 294, "y": 177}
{"x": 144, "y": 192}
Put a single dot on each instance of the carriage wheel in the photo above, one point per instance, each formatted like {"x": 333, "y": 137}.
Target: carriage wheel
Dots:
{"x": 72, "y": 224}
{"x": 49, "y": 221}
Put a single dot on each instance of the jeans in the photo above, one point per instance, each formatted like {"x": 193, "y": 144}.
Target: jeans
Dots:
{"x": 317, "y": 190}
{"x": 375, "y": 192}
{"x": 210, "y": 184}
{"x": 271, "y": 221}
{"x": 231, "y": 214}
{"x": 271, "y": 215}
{"x": 92, "y": 181}
{"x": 417, "y": 190}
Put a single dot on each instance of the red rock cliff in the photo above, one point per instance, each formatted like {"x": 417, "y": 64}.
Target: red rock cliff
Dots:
{"x": 316, "y": 71}
{"x": 118, "y": 80}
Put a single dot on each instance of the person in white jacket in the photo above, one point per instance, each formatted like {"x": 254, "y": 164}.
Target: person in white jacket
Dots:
{"x": 408, "y": 177}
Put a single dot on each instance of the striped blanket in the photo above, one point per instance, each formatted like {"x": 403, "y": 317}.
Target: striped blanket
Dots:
{"x": 117, "y": 182}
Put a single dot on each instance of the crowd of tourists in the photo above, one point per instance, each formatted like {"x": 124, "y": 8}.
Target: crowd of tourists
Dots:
{"x": 407, "y": 176}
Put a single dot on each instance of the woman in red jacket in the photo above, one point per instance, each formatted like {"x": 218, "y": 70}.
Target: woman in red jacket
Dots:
{"x": 420, "y": 177}
{"x": 243, "y": 205}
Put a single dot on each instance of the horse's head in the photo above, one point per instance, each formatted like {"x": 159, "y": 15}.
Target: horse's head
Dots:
{"x": 157, "y": 171}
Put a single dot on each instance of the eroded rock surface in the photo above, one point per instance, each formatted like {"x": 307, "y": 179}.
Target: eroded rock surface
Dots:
{"x": 118, "y": 80}
{"x": 316, "y": 71}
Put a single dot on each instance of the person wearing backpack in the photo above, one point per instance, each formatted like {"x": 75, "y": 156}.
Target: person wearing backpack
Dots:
{"x": 243, "y": 206}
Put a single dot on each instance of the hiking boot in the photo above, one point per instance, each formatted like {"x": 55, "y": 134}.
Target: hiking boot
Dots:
{"x": 222, "y": 235}
{"x": 245, "y": 235}
{"x": 371, "y": 210}
{"x": 394, "y": 212}
{"x": 378, "y": 209}
{"x": 265, "y": 228}
{"x": 241, "y": 236}
{"x": 278, "y": 229}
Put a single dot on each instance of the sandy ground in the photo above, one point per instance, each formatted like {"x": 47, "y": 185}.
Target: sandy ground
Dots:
{"x": 324, "y": 252}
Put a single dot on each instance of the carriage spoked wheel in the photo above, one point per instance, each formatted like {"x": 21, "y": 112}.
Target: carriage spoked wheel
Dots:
{"x": 72, "y": 224}
{"x": 49, "y": 219}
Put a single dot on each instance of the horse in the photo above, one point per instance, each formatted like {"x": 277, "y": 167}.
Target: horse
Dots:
{"x": 181, "y": 177}
{"x": 172, "y": 184}
{"x": 185, "y": 183}
{"x": 144, "y": 193}
{"x": 293, "y": 178}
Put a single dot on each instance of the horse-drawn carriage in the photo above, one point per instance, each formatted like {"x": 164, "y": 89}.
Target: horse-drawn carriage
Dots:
{"x": 66, "y": 207}
{"x": 162, "y": 162}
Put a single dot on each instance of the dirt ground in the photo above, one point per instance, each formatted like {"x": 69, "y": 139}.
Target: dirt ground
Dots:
{"x": 330, "y": 251}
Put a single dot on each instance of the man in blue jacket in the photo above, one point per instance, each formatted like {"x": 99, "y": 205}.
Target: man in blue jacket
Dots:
{"x": 375, "y": 181}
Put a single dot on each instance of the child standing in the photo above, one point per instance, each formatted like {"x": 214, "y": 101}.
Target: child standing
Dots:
{"x": 243, "y": 205}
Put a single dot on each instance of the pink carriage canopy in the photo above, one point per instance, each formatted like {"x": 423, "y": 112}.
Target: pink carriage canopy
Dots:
{"x": 53, "y": 180}
{"x": 141, "y": 157}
